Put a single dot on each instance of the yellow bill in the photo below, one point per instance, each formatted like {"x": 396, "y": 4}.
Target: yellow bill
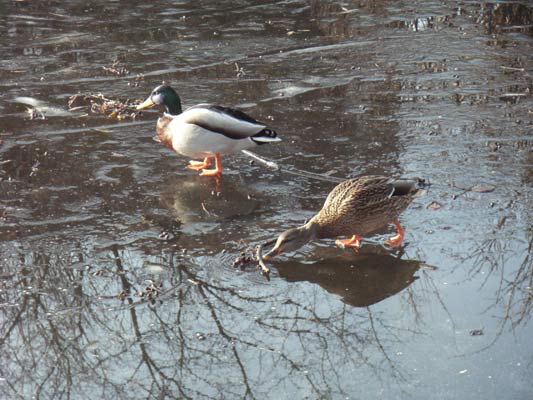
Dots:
{"x": 146, "y": 104}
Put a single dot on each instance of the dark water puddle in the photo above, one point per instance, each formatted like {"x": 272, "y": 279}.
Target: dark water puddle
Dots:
{"x": 116, "y": 276}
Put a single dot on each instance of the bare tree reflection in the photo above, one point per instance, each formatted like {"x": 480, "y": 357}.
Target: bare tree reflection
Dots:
{"x": 65, "y": 334}
{"x": 500, "y": 17}
{"x": 498, "y": 256}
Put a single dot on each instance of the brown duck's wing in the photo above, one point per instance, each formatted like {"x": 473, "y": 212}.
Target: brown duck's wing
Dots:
{"x": 368, "y": 194}
{"x": 365, "y": 188}
{"x": 363, "y": 204}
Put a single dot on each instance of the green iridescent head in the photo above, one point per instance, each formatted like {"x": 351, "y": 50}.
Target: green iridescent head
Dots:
{"x": 163, "y": 95}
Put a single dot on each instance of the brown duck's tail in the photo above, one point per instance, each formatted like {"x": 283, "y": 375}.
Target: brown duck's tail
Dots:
{"x": 409, "y": 187}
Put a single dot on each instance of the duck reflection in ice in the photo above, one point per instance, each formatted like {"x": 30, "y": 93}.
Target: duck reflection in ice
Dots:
{"x": 193, "y": 200}
{"x": 360, "y": 279}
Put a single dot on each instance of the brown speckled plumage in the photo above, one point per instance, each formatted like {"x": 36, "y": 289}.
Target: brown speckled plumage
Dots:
{"x": 362, "y": 205}
{"x": 355, "y": 208}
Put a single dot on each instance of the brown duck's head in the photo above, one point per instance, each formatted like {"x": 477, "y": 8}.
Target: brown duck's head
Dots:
{"x": 291, "y": 240}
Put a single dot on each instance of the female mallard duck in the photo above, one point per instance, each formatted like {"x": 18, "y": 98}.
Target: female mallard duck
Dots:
{"x": 355, "y": 207}
{"x": 205, "y": 131}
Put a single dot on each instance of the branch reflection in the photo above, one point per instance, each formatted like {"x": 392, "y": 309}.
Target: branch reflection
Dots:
{"x": 64, "y": 321}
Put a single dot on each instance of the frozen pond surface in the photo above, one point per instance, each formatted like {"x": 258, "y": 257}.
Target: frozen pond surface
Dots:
{"x": 116, "y": 277}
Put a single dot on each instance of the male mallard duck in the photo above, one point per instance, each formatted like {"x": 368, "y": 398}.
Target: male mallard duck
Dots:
{"x": 355, "y": 207}
{"x": 205, "y": 130}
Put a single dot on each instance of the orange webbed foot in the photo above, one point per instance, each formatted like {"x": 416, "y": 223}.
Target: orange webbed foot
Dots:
{"x": 354, "y": 242}
{"x": 397, "y": 240}
{"x": 214, "y": 172}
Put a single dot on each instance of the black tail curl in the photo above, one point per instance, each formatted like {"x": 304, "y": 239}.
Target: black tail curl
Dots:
{"x": 266, "y": 134}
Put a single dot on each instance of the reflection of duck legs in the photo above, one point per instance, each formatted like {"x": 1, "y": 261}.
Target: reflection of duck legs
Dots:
{"x": 193, "y": 200}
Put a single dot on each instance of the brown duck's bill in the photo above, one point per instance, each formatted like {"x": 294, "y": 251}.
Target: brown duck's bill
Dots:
{"x": 146, "y": 104}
